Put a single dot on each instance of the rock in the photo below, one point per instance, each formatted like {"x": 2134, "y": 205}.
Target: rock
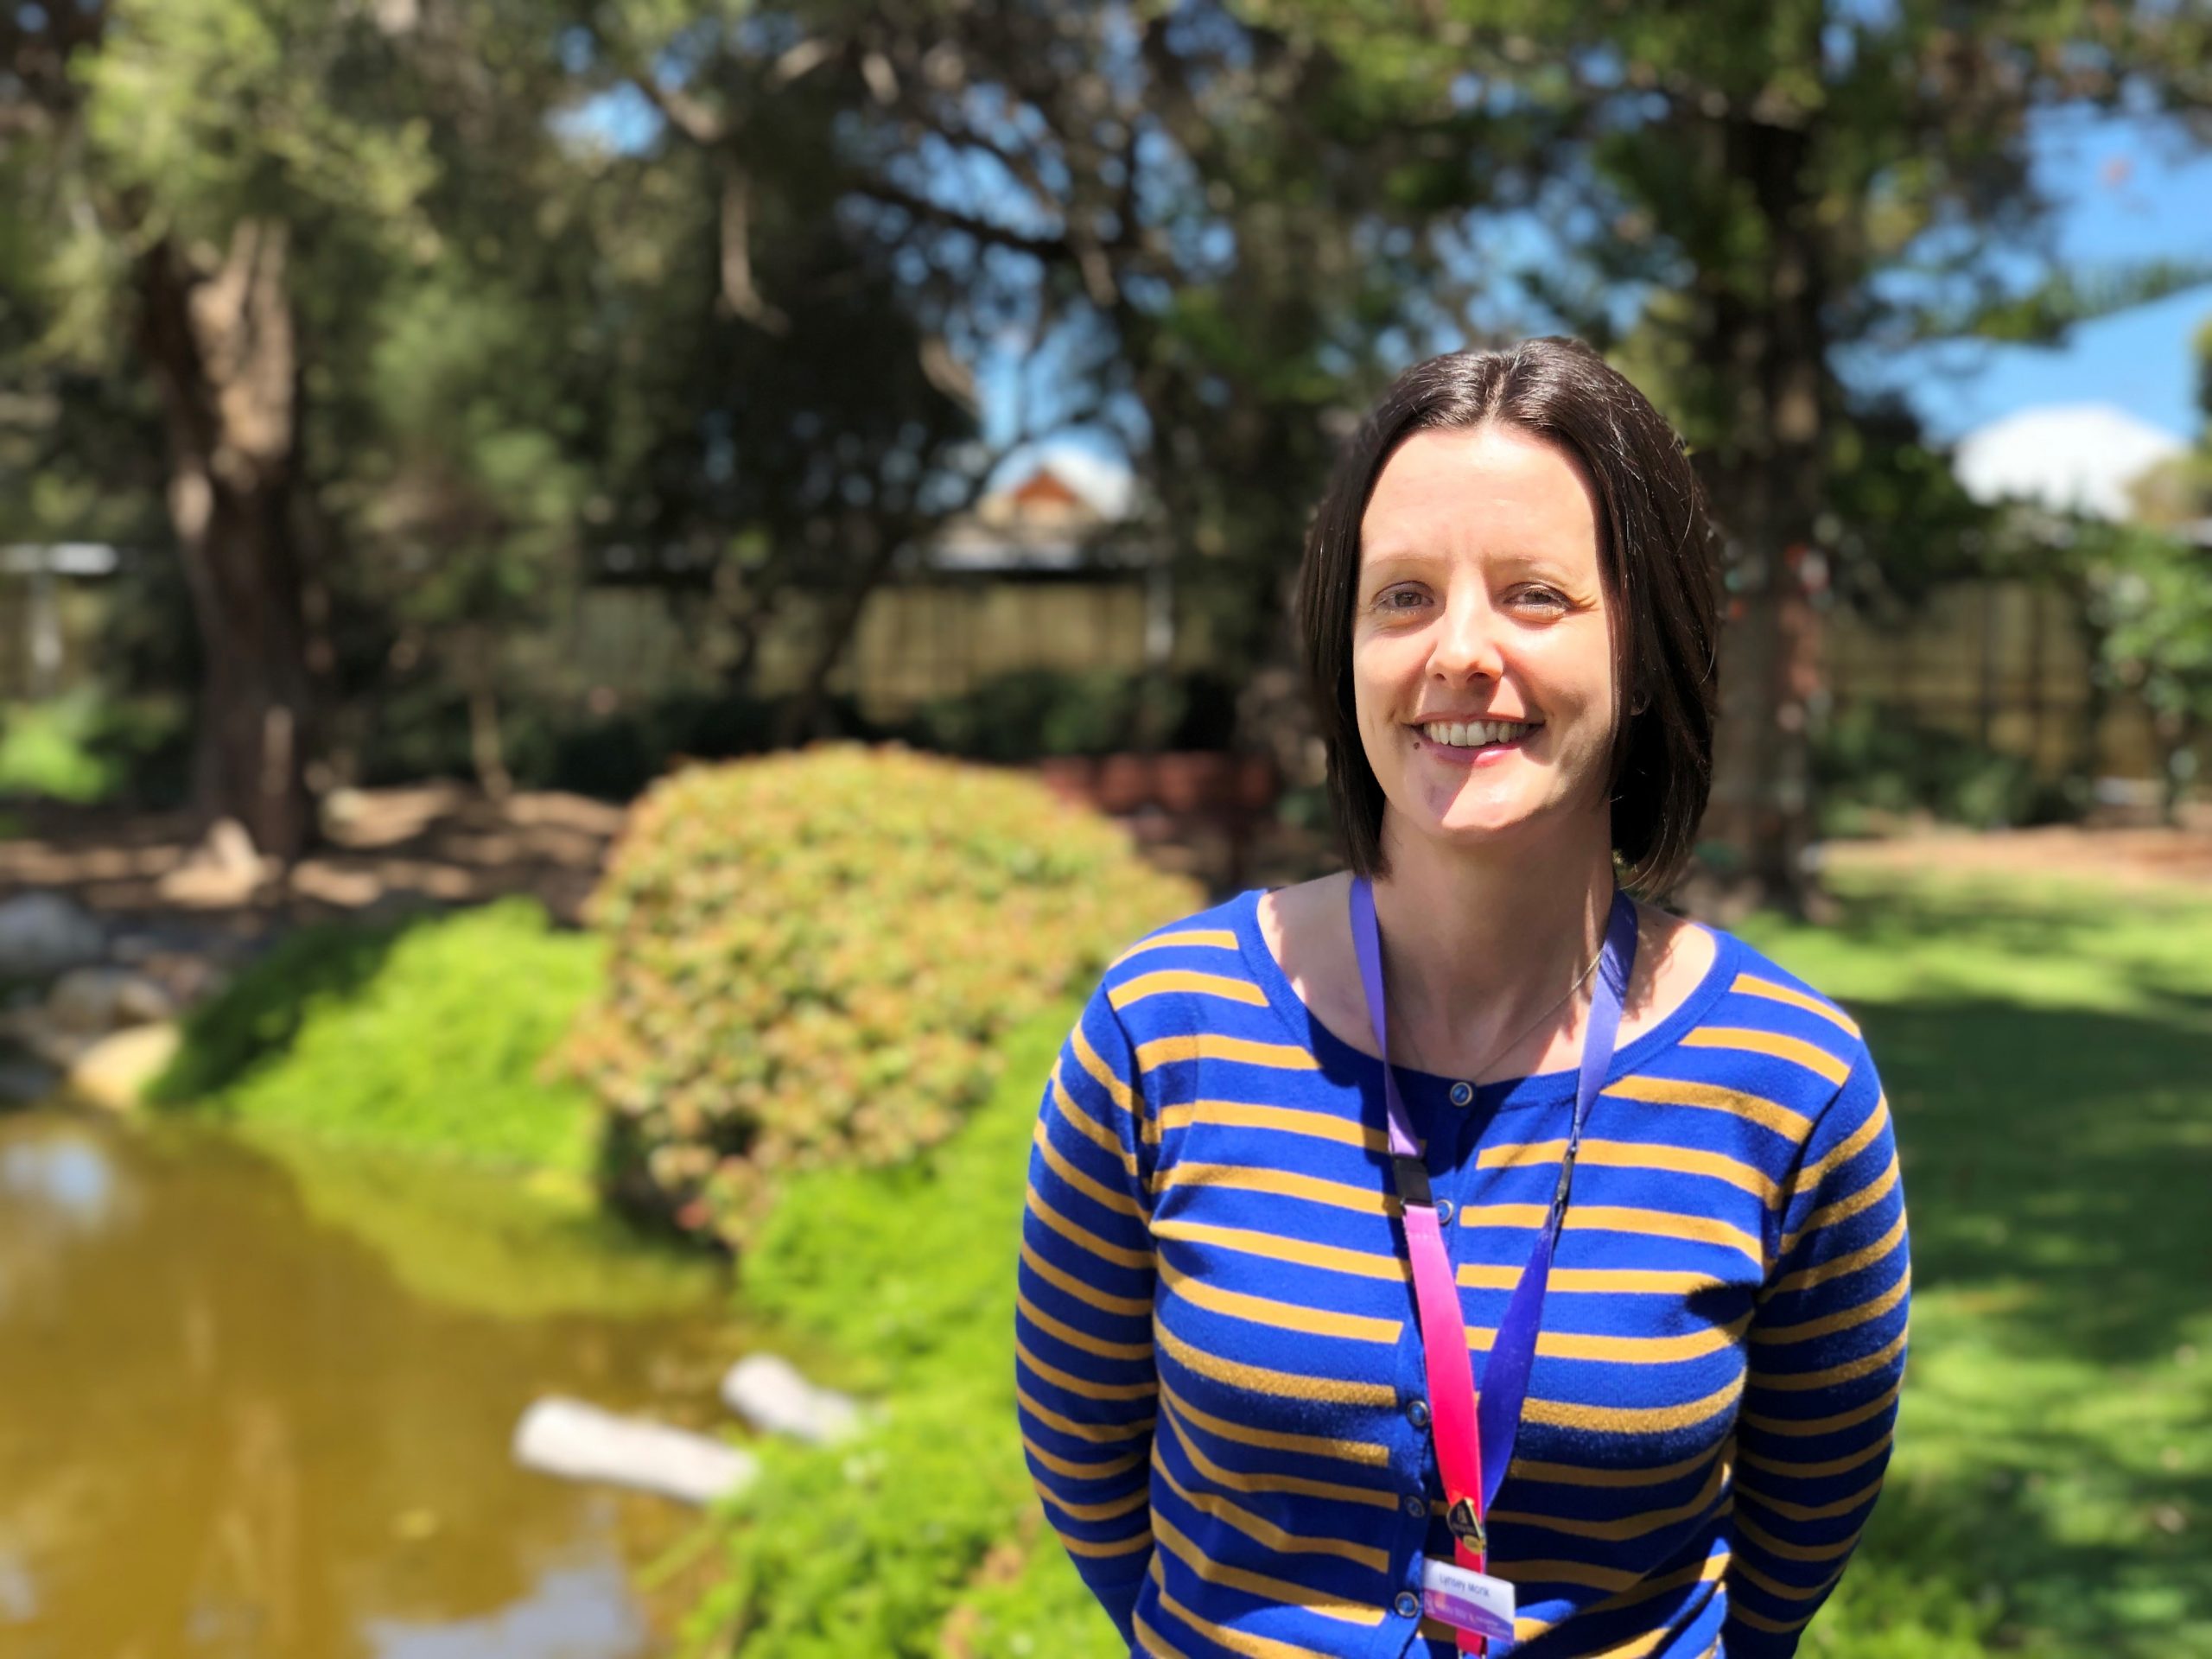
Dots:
{"x": 115, "y": 1071}
{"x": 100, "y": 1000}
{"x": 580, "y": 1442}
{"x": 223, "y": 870}
{"x": 768, "y": 1392}
{"x": 43, "y": 933}
{"x": 26, "y": 1082}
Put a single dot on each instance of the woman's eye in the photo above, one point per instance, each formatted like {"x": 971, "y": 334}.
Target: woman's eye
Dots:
{"x": 1400, "y": 599}
{"x": 1543, "y": 598}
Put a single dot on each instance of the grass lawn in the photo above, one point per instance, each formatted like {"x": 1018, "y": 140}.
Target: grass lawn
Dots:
{"x": 2047, "y": 1050}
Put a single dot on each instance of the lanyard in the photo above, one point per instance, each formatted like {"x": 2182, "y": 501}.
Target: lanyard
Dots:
{"x": 1475, "y": 1434}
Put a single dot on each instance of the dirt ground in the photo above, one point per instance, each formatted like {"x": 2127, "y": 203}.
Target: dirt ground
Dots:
{"x": 2151, "y": 856}
{"x": 439, "y": 844}
{"x": 385, "y": 850}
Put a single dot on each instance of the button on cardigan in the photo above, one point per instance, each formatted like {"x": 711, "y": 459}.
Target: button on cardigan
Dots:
{"x": 1219, "y": 1373}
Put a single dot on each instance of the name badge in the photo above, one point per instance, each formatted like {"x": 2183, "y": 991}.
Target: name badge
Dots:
{"x": 1467, "y": 1600}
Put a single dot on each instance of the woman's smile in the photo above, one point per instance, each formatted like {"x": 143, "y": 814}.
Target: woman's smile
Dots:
{"x": 1473, "y": 742}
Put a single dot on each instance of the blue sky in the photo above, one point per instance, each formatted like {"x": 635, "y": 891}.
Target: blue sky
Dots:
{"x": 2131, "y": 191}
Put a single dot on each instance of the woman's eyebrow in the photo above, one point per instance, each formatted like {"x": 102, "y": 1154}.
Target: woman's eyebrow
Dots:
{"x": 1375, "y": 563}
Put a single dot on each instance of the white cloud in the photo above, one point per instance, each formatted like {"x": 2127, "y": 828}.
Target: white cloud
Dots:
{"x": 2069, "y": 457}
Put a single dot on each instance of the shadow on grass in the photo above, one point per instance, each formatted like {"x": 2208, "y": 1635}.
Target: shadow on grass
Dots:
{"x": 2056, "y": 1484}
{"x": 258, "y": 1017}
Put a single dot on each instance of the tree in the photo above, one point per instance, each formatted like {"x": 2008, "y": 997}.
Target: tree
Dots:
{"x": 206, "y": 164}
{"x": 1752, "y": 193}
{"x": 1167, "y": 222}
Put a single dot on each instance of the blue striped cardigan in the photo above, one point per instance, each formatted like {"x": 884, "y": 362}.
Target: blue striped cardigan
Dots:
{"x": 1219, "y": 1372}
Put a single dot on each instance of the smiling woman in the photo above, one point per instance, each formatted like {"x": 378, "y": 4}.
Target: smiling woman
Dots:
{"x": 1462, "y": 1250}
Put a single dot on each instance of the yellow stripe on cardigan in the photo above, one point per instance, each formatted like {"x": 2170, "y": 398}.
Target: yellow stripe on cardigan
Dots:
{"x": 1367, "y": 1453}
{"x": 1237, "y": 1480}
{"x": 1167, "y": 980}
{"x": 1811, "y": 1056}
{"x": 1218, "y": 1045}
{"x": 1282, "y": 1316}
{"x": 1636, "y": 1156}
{"x": 1792, "y": 1126}
{"x": 1752, "y": 985}
{"x": 1317, "y": 1602}
{"x": 1262, "y": 1530}
{"x": 1261, "y": 1379}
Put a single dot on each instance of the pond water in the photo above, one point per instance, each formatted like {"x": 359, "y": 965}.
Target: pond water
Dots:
{"x": 254, "y": 1404}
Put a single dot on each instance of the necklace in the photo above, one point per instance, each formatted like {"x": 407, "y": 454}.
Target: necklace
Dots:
{"x": 1507, "y": 1047}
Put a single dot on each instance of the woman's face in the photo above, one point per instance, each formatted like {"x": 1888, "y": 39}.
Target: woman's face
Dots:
{"x": 1481, "y": 645}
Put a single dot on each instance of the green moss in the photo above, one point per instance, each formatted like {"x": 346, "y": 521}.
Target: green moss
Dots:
{"x": 873, "y": 1549}
{"x": 425, "y": 1039}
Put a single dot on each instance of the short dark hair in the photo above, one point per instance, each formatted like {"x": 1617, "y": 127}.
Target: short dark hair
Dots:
{"x": 1655, "y": 551}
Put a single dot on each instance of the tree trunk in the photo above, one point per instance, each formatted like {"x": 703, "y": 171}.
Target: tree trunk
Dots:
{"x": 1768, "y": 350}
{"x": 878, "y": 545}
{"x": 223, "y": 353}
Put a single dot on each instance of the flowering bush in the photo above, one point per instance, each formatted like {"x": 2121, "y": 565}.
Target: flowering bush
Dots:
{"x": 812, "y": 956}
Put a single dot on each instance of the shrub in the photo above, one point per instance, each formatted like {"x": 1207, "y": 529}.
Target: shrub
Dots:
{"x": 425, "y": 1039}
{"x": 814, "y": 954}
{"x": 924, "y": 1538}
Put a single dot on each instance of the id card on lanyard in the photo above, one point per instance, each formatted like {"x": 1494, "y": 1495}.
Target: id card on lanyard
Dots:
{"x": 1475, "y": 1433}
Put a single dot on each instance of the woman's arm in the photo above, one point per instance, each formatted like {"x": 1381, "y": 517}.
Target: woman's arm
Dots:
{"x": 1828, "y": 1348}
{"x": 1082, "y": 1326}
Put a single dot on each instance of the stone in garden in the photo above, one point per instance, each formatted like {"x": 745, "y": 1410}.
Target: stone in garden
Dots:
{"x": 100, "y": 1000}
{"x": 115, "y": 1071}
{"x": 222, "y": 870}
{"x": 26, "y": 1082}
{"x": 44, "y": 933}
{"x": 581, "y": 1442}
{"x": 768, "y": 1392}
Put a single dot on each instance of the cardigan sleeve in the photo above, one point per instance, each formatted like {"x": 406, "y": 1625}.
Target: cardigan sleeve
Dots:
{"x": 1827, "y": 1359}
{"x": 1085, "y": 1381}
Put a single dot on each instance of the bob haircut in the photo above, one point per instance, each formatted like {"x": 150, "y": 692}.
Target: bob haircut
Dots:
{"x": 1655, "y": 554}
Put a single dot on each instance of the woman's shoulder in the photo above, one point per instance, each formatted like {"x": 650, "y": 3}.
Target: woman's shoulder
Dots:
{"x": 1203, "y": 950}
{"x": 1763, "y": 1019}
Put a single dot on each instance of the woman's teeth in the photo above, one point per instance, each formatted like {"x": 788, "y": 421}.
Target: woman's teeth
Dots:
{"x": 1472, "y": 734}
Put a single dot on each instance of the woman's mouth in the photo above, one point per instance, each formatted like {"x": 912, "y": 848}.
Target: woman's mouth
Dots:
{"x": 1471, "y": 740}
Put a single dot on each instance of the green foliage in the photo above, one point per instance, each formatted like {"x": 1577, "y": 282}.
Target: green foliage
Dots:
{"x": 928, "y": 1525}
{"x": 814, "y": 956}
{"x": 2151, "y": 600}
{"x": 46, "y": 748}
{"x": 1043, "y": 711}
{"x": 427, "y": 1040}
{"x": 1876, "y": 766}
{"x": 82, "y": 747}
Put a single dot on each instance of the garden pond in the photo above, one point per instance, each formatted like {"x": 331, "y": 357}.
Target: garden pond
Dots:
{"x": 259, "y": 1402}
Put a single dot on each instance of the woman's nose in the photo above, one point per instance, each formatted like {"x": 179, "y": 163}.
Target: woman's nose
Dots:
{"x": 1467, "y": 640}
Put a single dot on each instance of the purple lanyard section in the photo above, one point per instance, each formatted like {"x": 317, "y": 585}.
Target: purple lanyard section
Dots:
{"x": 1505, "y": 1377}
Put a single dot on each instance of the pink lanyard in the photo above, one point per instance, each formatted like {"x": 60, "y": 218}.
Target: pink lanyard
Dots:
{"x": 1474, "y": 1436}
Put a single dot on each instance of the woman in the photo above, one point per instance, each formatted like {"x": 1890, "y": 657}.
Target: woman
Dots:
{"x": 1263, "y": 1275}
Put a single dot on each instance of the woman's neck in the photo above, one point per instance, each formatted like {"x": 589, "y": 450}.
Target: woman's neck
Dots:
{"x": 1479, "y": 943}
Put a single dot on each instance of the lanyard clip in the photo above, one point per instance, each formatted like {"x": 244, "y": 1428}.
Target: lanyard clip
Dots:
{"x": 1412, "y": 1177}
{"x": 1466, "y": 1524}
